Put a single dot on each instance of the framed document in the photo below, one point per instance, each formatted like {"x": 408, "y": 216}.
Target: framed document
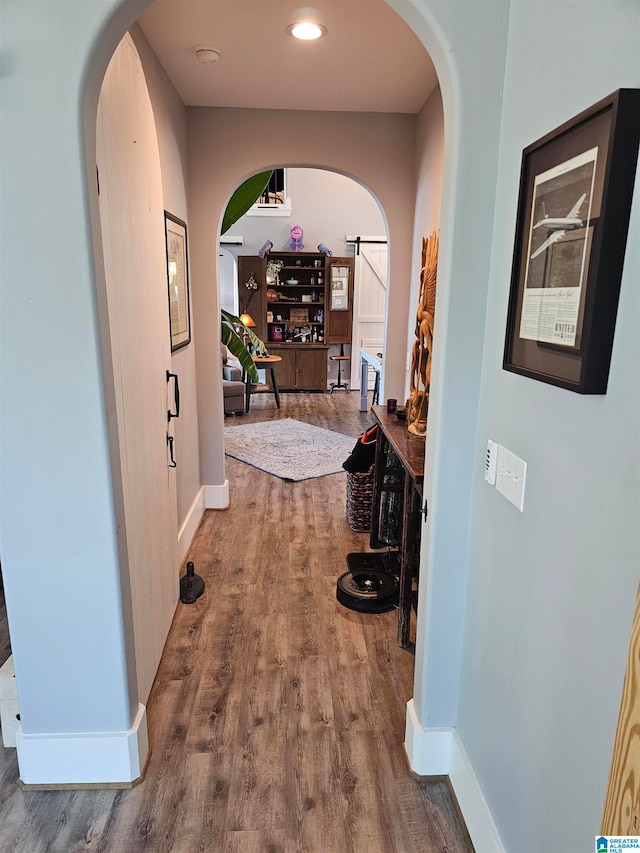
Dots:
{"x": 339, "y": 288}
{"x": 177, "y": 281}
{"x": 576, "y": 187}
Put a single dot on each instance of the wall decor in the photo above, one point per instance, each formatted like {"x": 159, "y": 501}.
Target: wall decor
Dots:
{"x": 177, "y": 281}
{"x": 576, "y": 188}
{"x": 417, "y": 405}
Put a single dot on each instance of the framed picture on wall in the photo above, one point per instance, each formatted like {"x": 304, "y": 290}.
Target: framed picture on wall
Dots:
{"x": 177, "y": 281}
{"x": 576, "y": 187}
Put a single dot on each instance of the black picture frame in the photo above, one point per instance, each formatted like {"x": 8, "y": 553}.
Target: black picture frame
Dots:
{"x": 576, "y": 189}
{"x": 175, "y": 232}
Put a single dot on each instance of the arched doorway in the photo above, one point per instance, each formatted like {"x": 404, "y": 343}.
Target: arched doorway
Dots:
{"x": 45, "y": 707}
{"x": 86, "y": 386}
{"x": 333, "y": 208}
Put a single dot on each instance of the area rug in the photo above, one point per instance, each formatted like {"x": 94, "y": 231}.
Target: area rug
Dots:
{"x": 289, "y": 449}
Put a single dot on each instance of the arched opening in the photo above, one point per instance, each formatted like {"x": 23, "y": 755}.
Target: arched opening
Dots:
{"x": 358, "y": 147}
{"x": 332, "y": 208}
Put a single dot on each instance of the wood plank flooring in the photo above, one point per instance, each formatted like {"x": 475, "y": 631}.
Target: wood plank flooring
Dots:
{"x": 277, "y": 716}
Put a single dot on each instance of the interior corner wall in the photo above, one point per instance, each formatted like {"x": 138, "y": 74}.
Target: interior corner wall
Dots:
{"x": 552, "y": 590}
{"x": 228, "y": 145}
{"x": 171, "y": 128}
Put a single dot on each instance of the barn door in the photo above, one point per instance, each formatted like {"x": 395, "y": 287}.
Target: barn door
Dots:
{"x": 370, "y": 294}
{"x": 132, "y": 226}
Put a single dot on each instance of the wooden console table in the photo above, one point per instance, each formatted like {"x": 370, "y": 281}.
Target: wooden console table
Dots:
{"x": 408, "y": 453}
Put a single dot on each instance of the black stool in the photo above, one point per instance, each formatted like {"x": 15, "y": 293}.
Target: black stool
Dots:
{"x": 339, "y": 358}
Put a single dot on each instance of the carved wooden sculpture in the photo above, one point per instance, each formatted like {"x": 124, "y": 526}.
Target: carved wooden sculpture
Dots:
{"x": 418, "y": 402}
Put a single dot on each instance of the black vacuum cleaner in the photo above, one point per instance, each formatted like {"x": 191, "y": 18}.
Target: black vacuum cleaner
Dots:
{"x": 372, "y": 583}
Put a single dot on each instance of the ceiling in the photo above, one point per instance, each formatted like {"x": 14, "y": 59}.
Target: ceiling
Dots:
{"x": 369, "y": 61}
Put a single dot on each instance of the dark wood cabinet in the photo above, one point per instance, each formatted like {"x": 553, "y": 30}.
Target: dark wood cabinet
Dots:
{"x": 311, "y": 369}
{"x": 303, "y": 367}
{"x": 303, "y": 302}
{"x": 286, "y": 377}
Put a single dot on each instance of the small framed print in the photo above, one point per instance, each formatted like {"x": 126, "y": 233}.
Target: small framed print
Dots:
{"x": 339, "y": 288}
{"x": 576, "y": 187}
{"x": 299, "y": 315}
{"x": 177, "y": 281}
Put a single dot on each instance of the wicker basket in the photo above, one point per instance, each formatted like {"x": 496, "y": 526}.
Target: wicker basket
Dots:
{"x": 359, "y": 499}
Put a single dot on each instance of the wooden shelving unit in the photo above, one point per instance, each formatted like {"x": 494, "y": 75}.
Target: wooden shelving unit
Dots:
{"x": 292, "y": 312}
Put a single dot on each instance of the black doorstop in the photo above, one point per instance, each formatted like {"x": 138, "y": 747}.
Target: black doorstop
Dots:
{"x": 191, "y": 586}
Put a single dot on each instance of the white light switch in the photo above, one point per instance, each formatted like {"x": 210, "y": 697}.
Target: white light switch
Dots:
{"x": 491, "y": 462}
{"x": 511, "y": 477}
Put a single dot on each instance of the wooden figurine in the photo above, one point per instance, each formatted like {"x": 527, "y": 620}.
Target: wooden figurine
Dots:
{"x": 418, "y": 403}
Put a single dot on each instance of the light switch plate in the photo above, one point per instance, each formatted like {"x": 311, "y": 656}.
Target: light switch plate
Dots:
{"x": 491, "y": 462}
{"x": 511, "y": 477}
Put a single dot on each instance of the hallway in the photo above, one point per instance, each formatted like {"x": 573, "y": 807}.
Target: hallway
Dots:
{"x": 276, "y": 720}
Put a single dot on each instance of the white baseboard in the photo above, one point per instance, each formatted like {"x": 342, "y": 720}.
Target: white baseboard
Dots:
{"x": 474, "y": 808}
{"x": 440, "y": 752}
{"x": 9, "y": 710}
{"x": 190, "y": 525}
{"x": 216, "y": 497}
{"x": 108, "y": 758}
{"x": 428, "y": 750}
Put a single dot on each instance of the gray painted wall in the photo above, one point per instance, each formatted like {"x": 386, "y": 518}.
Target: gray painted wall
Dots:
{"x": 552, "y": 591}
{"x": 228, "y": 145}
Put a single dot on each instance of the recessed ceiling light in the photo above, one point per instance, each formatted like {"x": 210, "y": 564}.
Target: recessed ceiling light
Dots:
{"x": 207, "y": 55}
{"x": 306, "y": 30}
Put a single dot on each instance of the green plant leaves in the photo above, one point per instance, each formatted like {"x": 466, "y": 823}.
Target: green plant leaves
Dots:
{"x": 230, "y": 337}
{"x": 242, "y": 199}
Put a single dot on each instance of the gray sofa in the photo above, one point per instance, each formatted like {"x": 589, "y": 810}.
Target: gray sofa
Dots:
{"x": 233, "y": 388}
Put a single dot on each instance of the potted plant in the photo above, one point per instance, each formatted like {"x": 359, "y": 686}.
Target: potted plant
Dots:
{"x": 233, "y": 333}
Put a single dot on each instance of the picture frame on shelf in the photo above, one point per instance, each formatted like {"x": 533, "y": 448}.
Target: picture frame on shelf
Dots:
{"x": 299, "y": 315}
{"x": 177, "y": 281}
{"x": 576, "y": 187}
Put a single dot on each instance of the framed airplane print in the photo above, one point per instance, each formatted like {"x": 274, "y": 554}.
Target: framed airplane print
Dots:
{"x": 576, "y": 187}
